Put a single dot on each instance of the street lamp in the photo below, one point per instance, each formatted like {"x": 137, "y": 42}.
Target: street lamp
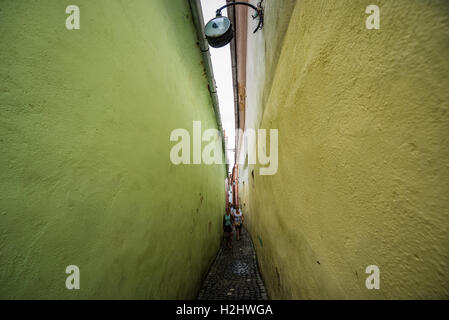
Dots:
{"x": 219, "y": 30}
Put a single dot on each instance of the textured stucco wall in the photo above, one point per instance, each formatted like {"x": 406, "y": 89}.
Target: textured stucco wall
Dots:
{"x": 363, "y": 151}
{"x": 85, "y": 173}
{"x": 263, "y": 52}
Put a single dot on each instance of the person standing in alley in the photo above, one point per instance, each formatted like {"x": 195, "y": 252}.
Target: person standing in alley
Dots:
{"x": 232, "y": 209}
{"x": 238, "y": 222}
{"x": 227, "y": 227}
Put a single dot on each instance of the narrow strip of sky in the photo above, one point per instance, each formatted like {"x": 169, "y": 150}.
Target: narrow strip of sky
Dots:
{"x": 221, "y": 63}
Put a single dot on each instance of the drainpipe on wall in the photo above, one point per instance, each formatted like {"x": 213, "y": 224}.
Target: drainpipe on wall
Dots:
{"x": 197, "y": 13}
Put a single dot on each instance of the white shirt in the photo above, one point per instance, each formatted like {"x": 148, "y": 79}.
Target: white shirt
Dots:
{"x": 237, "y": 216}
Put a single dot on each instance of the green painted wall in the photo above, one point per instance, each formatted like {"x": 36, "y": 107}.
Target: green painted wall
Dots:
{"x": 85, "y": 173}
{"x": 363, "y": 151}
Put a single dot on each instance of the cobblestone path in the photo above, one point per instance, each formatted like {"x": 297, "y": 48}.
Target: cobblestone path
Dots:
{"x": 234, "y": 274}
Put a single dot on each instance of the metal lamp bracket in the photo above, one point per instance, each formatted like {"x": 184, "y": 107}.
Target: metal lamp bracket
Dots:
{"x": 258, "y": 9}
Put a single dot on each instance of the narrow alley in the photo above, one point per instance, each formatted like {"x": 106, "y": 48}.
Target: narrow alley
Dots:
{"x": 234, "y": 274}
{"x": 136, "y": 134}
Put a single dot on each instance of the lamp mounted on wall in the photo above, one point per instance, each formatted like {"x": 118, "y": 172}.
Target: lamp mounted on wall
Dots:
{"x": 219, "y": 30}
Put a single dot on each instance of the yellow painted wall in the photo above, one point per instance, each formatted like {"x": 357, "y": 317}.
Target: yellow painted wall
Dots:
{"x": 363, "y": 172}
{"x": 85, "y": 171}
